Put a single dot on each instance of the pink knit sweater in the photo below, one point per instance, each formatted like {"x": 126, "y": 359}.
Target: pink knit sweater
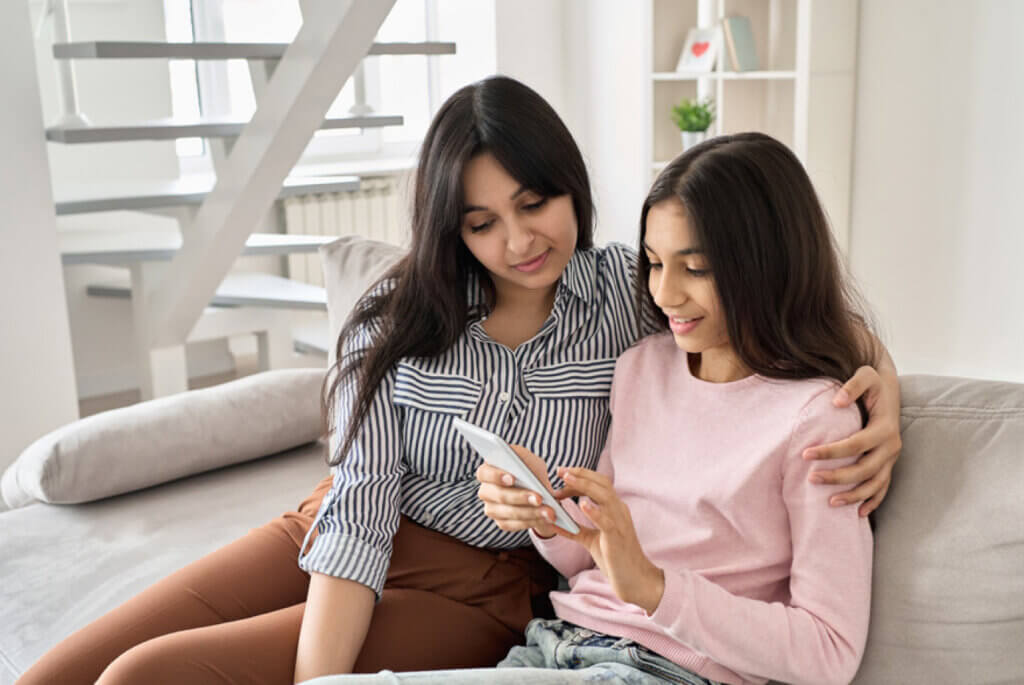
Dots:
{"x": 763, "y": 579}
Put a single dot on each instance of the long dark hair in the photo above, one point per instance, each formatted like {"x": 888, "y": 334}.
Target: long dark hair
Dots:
{"x": 790, "y": 310}
{"x": 498, "y": 115}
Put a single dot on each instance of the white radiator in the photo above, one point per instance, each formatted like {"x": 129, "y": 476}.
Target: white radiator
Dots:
{"x": 374, "y": 211}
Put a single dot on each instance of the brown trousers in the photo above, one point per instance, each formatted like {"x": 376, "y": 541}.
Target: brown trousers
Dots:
{"x": 234, "y": 615}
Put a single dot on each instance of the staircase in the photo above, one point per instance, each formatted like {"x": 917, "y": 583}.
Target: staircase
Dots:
{"x": 179, "y": 283}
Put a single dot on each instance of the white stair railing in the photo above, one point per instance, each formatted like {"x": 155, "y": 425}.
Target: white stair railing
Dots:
{"x": 67, "y": 94}
{"x": 294, "y": 85}
{"x": 333, "y": 39}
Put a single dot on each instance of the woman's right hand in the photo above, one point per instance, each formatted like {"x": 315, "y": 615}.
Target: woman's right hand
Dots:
{"x": 514, "y": 508}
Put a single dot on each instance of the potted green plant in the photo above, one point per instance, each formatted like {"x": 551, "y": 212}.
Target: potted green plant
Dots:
{"x": 693, "y": 118}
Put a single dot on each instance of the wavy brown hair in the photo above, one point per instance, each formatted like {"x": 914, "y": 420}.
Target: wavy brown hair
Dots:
{"x": 790, "y": 310}
{"x": 427, "y": 290}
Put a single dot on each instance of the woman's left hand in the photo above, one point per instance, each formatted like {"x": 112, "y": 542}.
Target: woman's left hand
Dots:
{"x": 879, "y": 442}
{"x": 613, "y": 544}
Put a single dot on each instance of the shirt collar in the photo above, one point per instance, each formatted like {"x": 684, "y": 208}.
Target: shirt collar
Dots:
{"x": 579, "y": 276}
{"x": 578, "y": 280}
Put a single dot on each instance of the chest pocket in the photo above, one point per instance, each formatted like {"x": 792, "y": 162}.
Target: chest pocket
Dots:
{"x": 430, "y": 401}
{"x": 434, "y": 392}
{"x": 591, "y": 379}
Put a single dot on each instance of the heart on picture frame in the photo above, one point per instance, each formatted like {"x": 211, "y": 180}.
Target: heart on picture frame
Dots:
{"x": 699, "y": 49}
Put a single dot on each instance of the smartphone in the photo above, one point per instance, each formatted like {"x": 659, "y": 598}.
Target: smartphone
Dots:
{"x": 496, "y": 451}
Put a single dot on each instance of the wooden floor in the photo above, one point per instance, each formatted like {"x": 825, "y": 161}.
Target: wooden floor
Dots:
{"x": 94, "y": 405}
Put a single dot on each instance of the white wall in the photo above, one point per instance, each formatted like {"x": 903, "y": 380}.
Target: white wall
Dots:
{"x": 937, "y": 219}
{"x": 528, "y": 46}
{"x": 582, "y": 55}
{"x": 605, "y": 75}
{"x": 36, "y": 371}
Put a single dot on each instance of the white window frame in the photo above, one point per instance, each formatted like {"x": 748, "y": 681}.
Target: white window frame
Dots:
{"x": 212, "y": 77}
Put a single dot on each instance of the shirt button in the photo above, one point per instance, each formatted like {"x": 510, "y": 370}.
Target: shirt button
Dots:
{"x": 503, "y": 396}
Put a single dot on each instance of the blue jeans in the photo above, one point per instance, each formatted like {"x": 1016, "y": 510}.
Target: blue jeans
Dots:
{"x": 556, "y": 653}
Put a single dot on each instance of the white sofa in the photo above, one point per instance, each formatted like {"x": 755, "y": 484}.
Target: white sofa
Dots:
{"x": 948, "y": 603}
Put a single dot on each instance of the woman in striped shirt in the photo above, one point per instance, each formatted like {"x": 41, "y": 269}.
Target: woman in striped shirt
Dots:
{"x": 504, "y": 314}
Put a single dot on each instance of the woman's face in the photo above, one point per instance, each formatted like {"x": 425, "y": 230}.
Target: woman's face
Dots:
{"x": 683, "y": 288}
{"x": 523, "y": 239}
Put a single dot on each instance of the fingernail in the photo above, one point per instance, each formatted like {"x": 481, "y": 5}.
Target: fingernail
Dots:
{"x": 842, "y": 397}
{"x": 837, "y": 502}
{"x": 810, "y": 454}
{"x": 508, "y": 480}
{"x": 534, "y": 500}
{"x": 817, "y": 479}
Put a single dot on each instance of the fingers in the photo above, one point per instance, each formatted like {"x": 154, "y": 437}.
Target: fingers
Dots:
{"x": 864, "y": 468}
{"x": 865, "y": 379}
{"x": 511, "y": 518}
{"x": 594, "y": 513}
{"x": 872, "y": 503}
{"x": 538, "y": 466}
{"x": 486, "y": 473}
{"x": 865, "y": 491}
{"x": 850, "y": 447}
{"x": 878, "y": 434}
{"x": 522, "y": 452}
{"x": 594, "y": 485}
{"x": 497, "y": 494}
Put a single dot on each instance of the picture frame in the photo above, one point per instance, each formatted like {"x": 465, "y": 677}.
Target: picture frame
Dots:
{"x": 701, "y": 49}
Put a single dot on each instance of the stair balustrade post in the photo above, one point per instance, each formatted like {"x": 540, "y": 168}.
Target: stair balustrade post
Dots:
{"x": 67, "y": 93}
{"x": 161, "y": 370}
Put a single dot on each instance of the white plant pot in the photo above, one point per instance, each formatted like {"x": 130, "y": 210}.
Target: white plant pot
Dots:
{"x": 691, "y": 138}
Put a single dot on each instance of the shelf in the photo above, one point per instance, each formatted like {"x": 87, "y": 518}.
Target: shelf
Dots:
{"x": 723, "y": 75}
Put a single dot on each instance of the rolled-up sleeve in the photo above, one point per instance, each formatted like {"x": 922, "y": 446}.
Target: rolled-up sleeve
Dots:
{"x": 359, "y": 515}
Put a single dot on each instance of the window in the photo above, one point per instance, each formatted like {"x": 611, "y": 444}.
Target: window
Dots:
{"x": 184, "y": 84}
{"x": 411, "y": 85}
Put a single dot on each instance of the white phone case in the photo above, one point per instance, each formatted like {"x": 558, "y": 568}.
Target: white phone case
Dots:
{"x": 496, "y": 451}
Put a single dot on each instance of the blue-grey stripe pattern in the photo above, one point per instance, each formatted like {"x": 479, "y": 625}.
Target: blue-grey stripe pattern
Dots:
{"x": 549, "y": 394}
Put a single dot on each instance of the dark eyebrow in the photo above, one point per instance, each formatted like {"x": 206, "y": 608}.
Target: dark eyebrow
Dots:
{"x": 679, "y": 253}
{"x": 475, "y": 208}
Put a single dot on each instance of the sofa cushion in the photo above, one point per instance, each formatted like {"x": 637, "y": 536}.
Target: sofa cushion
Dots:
{"x": 948, "y": 596}
{"x": 64, "y": 566}
{"x": 351, "y": 265}
{"x": 167, "y": 438}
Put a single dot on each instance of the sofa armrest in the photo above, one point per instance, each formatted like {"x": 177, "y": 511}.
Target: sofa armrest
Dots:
{"x": 167, "y": 438}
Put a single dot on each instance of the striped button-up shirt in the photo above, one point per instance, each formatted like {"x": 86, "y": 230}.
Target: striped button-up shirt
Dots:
{"x": 549, "y": 394}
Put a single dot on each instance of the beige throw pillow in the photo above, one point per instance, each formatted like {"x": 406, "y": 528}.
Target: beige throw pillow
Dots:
{"x": 167, "y": 438}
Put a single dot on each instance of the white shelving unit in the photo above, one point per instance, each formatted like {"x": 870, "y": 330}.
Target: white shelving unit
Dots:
{"x": 803, "y": 95}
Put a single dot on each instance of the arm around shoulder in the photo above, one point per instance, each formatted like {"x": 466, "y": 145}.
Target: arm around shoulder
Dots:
{"x": 818, "y": 635}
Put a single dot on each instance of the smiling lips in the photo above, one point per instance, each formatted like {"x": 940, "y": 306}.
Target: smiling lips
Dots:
{"x": 681, "y": 326}
{"x": 533, "y": 264}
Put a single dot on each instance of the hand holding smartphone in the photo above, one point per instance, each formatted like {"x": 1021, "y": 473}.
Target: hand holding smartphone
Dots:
{"x": 497, "y": 452}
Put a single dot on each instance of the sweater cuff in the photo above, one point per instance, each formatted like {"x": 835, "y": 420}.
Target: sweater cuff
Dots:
{"x": 551, "y": 544}
{"x": 671, "y": 604}
{"x": 344, "y": 556}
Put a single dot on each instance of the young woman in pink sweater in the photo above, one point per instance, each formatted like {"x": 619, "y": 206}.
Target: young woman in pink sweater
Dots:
{"x": 707, "y": 553}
